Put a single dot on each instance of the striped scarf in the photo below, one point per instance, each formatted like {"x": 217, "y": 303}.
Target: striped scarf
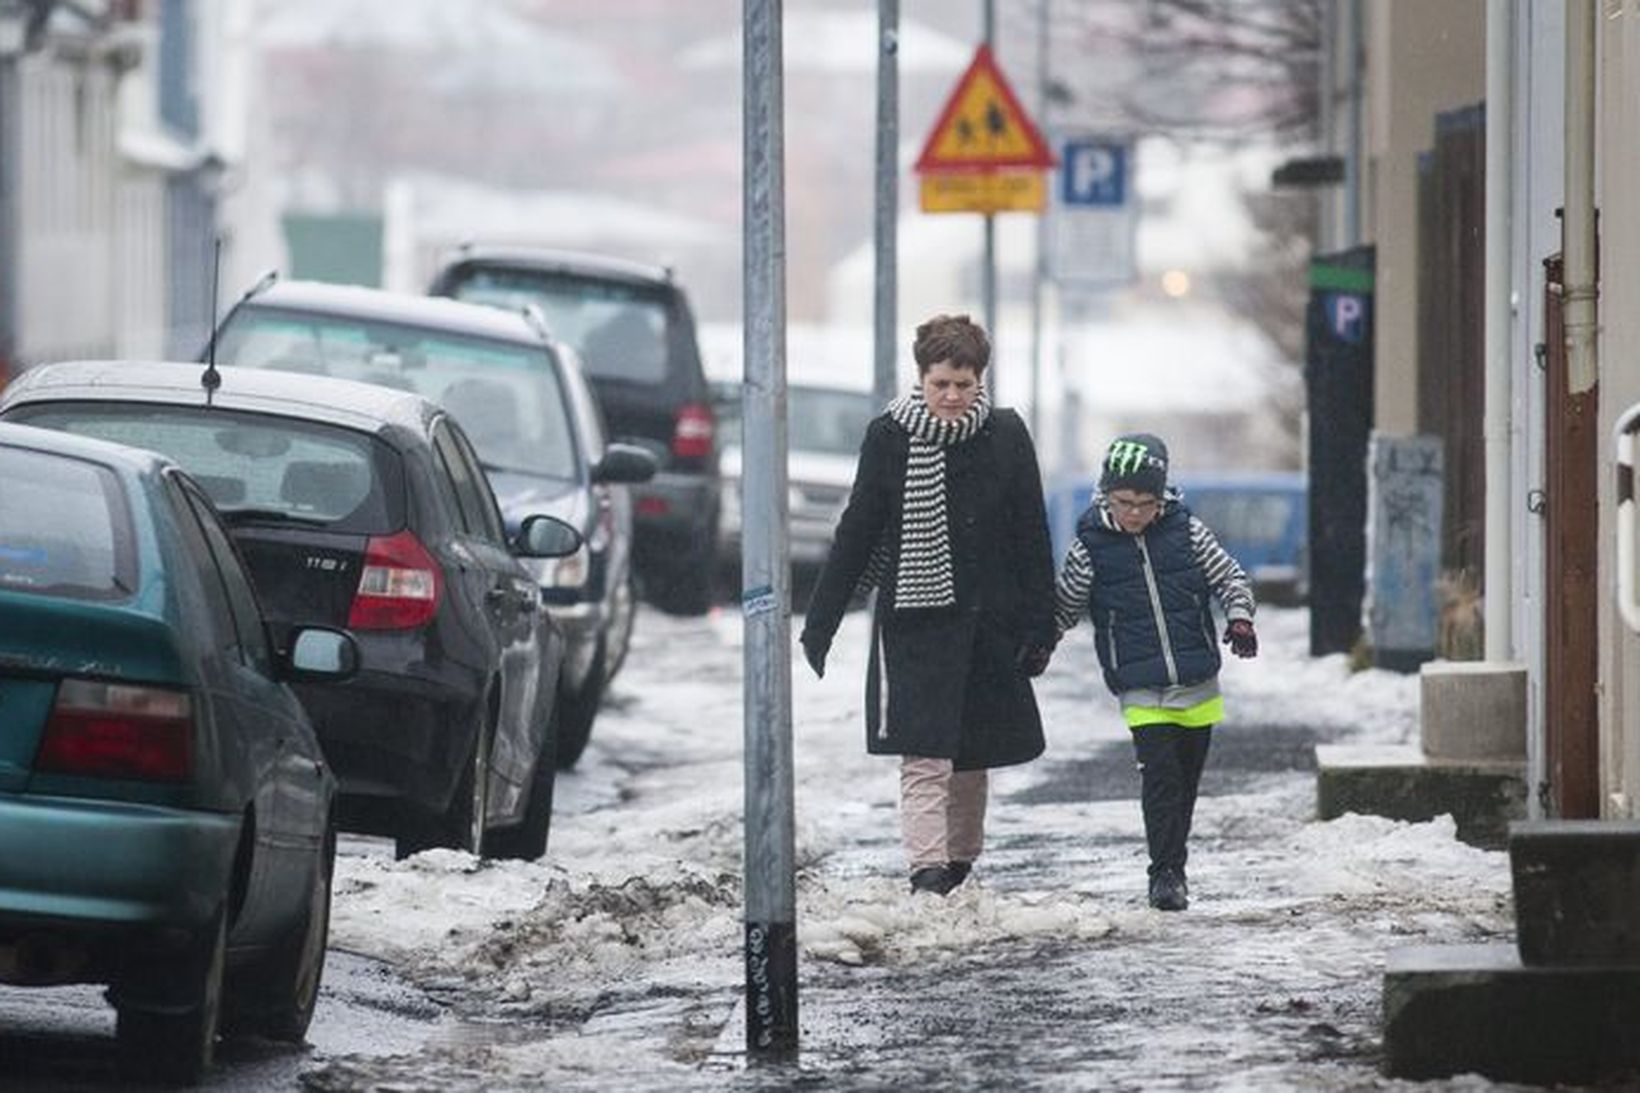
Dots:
{"x": 924, "y": 577}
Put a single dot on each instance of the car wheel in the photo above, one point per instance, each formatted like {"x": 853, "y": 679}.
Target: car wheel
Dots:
{"x": 275, "y": 998}
{"x": 461, "y": 826}
{"x": 623, "y": 617}
{"x": 577, "y": 709}
{"x": 175, "y": 1044}
{"x": 528, "y": 841}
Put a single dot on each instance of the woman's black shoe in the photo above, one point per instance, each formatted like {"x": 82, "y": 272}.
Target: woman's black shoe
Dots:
{"x": 958, "y": 871}
{"x": 932, "y": 878}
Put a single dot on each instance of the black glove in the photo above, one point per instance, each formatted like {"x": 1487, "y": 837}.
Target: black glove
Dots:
{"x": 1032, "y": 660}
{"x": 815, "y": 649}
{"x": 1240, "y": 638}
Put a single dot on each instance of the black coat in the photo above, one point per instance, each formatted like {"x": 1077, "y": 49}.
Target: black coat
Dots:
{"x": 954, "y": 687}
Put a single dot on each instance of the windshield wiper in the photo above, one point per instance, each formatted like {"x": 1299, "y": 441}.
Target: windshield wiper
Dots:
{"x": 269, "y": 516}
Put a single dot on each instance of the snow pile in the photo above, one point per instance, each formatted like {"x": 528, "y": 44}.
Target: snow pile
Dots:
{"x": 522, "y": 932}
{"x": 879, "y": 921}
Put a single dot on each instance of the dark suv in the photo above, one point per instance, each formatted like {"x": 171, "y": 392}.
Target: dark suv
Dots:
{"x": 632, "y": 326}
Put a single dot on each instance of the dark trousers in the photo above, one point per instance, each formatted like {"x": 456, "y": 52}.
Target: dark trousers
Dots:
{"x": 1170, "y": 768}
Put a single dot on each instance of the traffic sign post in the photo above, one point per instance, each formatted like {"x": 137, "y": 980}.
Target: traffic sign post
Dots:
{"x": 1094, "y": 225}
{"x": 984, "y": 154}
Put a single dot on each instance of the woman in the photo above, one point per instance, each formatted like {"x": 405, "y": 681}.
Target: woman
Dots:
{"x": 946, "y": 520}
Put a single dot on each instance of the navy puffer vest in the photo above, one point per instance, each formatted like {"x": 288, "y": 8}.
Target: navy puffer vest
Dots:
{"x": 1150, "y": 604}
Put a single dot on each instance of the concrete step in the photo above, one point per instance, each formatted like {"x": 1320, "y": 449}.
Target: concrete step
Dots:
{"x": 1577, "y": 891}
{"x": 1458, "y": 1009}
{"x": 1402, "y": 783}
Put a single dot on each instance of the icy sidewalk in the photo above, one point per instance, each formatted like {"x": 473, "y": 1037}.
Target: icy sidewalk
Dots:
{"x": 1051, "y": 972}
{"x": 616, "y": 965}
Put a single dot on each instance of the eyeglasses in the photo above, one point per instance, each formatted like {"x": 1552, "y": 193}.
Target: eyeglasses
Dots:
{"x": 1137, "y": 508}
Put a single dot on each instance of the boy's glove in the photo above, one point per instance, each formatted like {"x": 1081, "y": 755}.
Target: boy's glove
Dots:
{"x": 1032, "y": 660}
{"x": 1241, "y": 639}
{"x": 815, "y": 649}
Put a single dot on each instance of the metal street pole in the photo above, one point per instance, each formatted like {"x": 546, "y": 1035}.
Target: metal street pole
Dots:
{"x": 988, "y": 274}
{"x": 10, "y": 259}
{"x": 1040, "y": 276}
{"x": 887, "y": 221}
{"x": 1499, "y": 566}
{"x": 771, "y": 897}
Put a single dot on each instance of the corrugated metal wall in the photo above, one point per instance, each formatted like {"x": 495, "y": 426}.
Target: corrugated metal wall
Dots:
{"x": 66, "y": 210}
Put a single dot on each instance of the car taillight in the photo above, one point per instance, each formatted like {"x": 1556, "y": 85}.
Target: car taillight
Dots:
{"x": 692, "y": 431}
{"x": 399, "y": 587}
{"x": 114, "y": 730}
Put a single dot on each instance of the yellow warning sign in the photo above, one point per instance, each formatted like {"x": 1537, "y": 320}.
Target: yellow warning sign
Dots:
{"x": 983, "y": 127}
{"x": 1012, "y": 191}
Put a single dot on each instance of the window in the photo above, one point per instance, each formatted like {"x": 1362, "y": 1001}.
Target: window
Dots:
{"x": 467, "y": 482}
{"x": 489, "y": 513}
{"x": 507, "y": 395}
{"x": 241, "y": 599}
{"x": 621, "y": 331}
{"x": 272, "y": 469}
{"x": 65, "y": 527}
{"x": 224, "y": 630}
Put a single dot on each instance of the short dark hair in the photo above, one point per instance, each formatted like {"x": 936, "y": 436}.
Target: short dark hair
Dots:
{"x": 954, "y": 338}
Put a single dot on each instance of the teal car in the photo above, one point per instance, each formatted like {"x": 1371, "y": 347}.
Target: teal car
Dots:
{"x": 165, "y": 811}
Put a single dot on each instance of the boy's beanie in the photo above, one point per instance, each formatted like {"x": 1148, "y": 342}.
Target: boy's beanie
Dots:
{"x": 1135, "y": 461}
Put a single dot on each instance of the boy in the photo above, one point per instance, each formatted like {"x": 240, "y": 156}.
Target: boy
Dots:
{"x": 1141, "y": 568}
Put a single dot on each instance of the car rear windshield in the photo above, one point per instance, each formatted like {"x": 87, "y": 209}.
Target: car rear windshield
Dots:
{"x": 817, "y": 419}
{"x": 258, "y": 468}
{"x": 65, "y": 528}
{"x": 620, "y": 331}
{"x": 507, "y": 397}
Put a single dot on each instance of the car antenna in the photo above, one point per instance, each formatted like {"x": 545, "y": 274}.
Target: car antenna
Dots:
{"x": 212, "y": 379}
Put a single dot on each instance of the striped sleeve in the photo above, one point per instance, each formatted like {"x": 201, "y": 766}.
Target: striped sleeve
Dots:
{"x": 1224, "y": 574}
{"x": 1071, "y": 590}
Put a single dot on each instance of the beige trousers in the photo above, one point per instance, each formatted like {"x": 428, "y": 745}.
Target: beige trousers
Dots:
{"x": 942, "y": 811}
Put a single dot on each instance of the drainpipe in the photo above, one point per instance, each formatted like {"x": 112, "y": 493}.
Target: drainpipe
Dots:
{"x": 1500, "y": 60}
{"x": 1579, "y": 222}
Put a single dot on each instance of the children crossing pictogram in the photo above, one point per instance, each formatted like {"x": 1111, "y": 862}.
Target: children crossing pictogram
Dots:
{"x": 983, "y": 126}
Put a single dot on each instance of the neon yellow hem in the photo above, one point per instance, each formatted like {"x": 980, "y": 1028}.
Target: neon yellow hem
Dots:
{"x": 1198, "y": 716}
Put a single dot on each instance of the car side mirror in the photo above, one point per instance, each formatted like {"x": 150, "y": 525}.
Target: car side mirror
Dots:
{"x": 546, "y": 537}
{"x": 625, "y": 463}
{"x": 322, "y": 655}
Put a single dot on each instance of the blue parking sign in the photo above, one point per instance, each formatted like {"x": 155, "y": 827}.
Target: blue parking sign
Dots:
{"x": 1347, "y": 316}
{"x": 1093, "y": 172}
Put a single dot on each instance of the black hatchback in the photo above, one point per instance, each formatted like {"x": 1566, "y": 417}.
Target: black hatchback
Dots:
{"x": 359, "y": 506}
{"x": 634, "y": 330}
{"x": 524, "y": 403}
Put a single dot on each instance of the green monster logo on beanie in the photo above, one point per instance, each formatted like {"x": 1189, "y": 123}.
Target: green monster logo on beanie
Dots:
{"x": 1126, "y": 457}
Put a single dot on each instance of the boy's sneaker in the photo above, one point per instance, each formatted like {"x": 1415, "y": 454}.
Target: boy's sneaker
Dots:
{"x": 1168, "y": 891}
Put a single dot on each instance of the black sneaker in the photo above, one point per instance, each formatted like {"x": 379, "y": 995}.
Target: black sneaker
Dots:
{"x": 932, "y": 878}
{"x": 1168, "y": 890}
